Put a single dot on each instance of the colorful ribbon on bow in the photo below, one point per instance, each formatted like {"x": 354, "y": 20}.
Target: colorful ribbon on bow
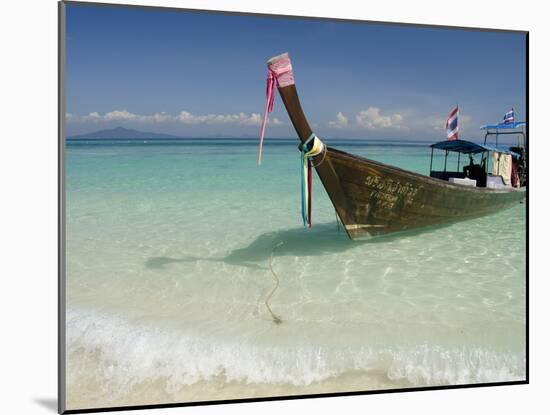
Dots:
{"x": 270, "y": 99}
{"x": 307, "y": 177}
{"x": 279, "y": 73}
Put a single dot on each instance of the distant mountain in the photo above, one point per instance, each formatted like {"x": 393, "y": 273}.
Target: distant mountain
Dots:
{"x": 123, "y": 133}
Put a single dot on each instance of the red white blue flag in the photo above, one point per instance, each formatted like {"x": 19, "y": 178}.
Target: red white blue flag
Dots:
{"x": 452, "y": 125}
{"x": 509, "y": 117}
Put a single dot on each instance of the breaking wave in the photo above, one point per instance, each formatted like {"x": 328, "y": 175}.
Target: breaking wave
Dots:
{"x": 125, "y": 354}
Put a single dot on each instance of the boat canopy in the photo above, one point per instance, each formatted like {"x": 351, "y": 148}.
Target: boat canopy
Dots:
{"x": 504, "y": 126}
{"x": 469, "y": 147}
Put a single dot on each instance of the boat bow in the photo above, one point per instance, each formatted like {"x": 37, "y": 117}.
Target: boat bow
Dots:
{"x": 373, "y": 198}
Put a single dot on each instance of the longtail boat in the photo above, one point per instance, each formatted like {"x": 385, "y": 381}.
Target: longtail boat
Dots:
{"x": 373, "y": 198}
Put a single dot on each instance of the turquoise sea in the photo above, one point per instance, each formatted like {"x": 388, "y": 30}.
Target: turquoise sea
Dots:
{"x": 169, "y": 246}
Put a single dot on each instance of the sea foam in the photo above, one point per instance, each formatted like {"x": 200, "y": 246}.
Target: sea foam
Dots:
{"x": 125, "y": 354}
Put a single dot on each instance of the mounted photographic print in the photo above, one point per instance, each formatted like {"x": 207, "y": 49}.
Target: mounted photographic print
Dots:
{"x": 258, "y": 206}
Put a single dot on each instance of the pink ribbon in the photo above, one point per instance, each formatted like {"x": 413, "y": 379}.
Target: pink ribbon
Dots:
{"x": 270, "y": 99}
{"x": 279, "y": 73}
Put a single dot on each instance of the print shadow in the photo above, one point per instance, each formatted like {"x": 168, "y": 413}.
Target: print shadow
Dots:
{"x": 322, "y": 239}
{"x": 48, "y": 403}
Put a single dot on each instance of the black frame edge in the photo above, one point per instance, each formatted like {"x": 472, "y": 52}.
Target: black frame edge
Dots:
{"x": 527, "y": 208}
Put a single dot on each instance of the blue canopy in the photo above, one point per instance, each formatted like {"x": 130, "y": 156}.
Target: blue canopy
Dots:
{"x": 503, "y": 126}
{"x": 469, "y": 147}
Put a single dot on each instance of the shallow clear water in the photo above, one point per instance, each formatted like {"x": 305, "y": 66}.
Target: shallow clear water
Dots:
{"x": 168, "y": 254}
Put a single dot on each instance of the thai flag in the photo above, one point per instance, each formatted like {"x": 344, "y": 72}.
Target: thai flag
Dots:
{"x": 509, "y": 117}
{"x": 452, "y": 125}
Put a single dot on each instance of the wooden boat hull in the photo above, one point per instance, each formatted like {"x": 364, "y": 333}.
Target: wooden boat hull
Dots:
{"x": 379, "y": 199}
{"x": 372, "y": 198}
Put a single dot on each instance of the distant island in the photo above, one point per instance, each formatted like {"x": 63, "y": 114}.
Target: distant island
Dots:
{"x": 123, "y": 133}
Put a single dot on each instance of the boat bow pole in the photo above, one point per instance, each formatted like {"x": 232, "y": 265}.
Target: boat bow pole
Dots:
{"x": 314, "y": 153}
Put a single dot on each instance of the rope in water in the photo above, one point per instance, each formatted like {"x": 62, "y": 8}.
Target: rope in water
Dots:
{"x": 306, "y": 155}
{"x": 276, "y": 318}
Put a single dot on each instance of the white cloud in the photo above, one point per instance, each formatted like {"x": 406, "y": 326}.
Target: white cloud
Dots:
{"x": 120, "y": 116}
{"x": 94, "y": 115}
{"x": 184, "y": 117}
{"x": 373, "y": 119}
{"x": 341, "y": 121}
{"x": 158, "y": 117}
{"x": 91, "y": 117}
{"x": 240, "y": 119}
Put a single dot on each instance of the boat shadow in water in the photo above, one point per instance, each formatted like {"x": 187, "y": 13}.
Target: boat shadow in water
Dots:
{"x": 322, "y": 239}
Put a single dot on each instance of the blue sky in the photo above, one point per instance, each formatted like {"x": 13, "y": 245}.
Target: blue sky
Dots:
{"x": 203, "y": 74}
